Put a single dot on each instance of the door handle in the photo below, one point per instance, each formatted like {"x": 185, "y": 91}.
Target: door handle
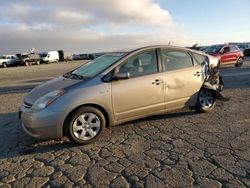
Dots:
{"x": 157, "y": 82}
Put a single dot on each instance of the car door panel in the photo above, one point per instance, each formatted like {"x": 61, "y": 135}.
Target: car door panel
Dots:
{"x": 226, "y": 57}
{"x": 138, "y": 96}
{"x": 182, "y": 87}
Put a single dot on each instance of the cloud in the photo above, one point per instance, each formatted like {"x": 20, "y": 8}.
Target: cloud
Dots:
{"x": 89, "y": 25}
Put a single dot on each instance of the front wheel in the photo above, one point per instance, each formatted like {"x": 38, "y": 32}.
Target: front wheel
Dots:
{"x": 205, "y": 101}
{"x": 4, "y": 65}
{"x": 85, "y": 125}
{"x": 239, "y": 62}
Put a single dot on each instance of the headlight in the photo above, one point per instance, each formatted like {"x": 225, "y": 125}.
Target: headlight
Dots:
{"x": 47, "y": 99}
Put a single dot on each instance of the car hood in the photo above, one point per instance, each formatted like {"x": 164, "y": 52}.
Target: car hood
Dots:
{"x": 52, "y": 85}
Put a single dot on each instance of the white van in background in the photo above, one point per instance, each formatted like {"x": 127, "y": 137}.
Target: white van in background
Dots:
{"x": 52, "y": 57}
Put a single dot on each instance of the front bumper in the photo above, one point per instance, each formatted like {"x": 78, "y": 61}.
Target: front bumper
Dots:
{"x": 43, "y": 124}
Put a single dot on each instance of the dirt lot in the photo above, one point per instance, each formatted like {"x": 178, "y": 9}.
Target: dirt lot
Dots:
{"x": 179, "y": 149}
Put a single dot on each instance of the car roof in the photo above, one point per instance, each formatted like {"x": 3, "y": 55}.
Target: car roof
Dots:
{"x": 152, "y": 47}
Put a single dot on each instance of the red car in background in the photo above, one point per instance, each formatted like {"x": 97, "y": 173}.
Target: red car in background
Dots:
{"x": 228, "y": 54}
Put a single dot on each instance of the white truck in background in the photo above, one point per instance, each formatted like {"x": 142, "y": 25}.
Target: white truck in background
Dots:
{"x": 52, "y": 57}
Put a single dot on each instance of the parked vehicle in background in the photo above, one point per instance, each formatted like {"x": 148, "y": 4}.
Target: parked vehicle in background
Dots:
{"x": 68, "y": 56}
{"x": 90, "y": 56}
{"x": 87, "y": 56}
{"x": 198, "y": 47}
{"x": 94, "y": 55}
{"x": 51, "y": 57}
{"x": 80, "y": 57}
{"x": 77, "y": 57}
{"x": 61, "y": 55}
{"x": 227, "y": 54}
{"x": 28, "y": 59}
{"x": 42, "y": 56}
{"x": 119, "y": 87}
{"x": 243, "y": 47}
{"x": 7, "y": 60}
{"x": 247, "y": 52}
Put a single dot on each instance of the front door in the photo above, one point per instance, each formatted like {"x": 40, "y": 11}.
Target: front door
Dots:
{"x": 143, "y": 92}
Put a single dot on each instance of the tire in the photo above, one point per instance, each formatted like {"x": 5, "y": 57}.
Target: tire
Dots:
{"x": 26, "y": 63}
{"x": 239, "y": 62}
{"x": 38, "y": 63}
{"x": 84, "y": 125}
{"x": 4, "y": 65}
{"x": 205, "y": 101}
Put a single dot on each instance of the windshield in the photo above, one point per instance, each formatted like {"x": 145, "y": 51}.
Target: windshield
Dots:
{"x": 98, "y": 65}
{"x": 213, "y": 49}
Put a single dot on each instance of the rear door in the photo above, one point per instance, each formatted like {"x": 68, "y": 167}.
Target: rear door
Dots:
{"x": 234, "y": 53}
{"x": 184, "y": 78}
{"x": 143, "y": 92}
{"x": 226, "y": 57}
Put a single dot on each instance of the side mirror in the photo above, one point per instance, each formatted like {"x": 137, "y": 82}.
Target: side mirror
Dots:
{"x": 121, "y": 76}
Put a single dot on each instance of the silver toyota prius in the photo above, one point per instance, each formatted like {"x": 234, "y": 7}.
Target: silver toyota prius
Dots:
{"x": 119, "y": 87}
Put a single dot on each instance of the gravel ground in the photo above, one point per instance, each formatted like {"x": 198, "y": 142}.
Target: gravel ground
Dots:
{"x": 180, "y": 149}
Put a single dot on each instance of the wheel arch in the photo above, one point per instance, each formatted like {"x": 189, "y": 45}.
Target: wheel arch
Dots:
{"x": 103, "y": 110}
{"x": 217, "y": 95}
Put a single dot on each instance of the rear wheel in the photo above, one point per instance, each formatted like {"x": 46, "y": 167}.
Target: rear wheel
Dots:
{"x": 26, "y": 63}
{"x": 239, "y": 62}
{"x": 205, "y": 101}
{"x": 38, "y": 63}
{"x": 85, "y": 125}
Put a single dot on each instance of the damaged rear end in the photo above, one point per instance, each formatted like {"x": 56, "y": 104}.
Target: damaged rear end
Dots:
{"x": 212, "y": 84}
{"x": 213, "y": 79}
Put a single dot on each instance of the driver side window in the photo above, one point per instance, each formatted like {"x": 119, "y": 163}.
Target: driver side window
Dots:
{"x": 140, "y": 65}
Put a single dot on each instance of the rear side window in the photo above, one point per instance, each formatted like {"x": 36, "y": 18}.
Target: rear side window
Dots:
{"x": 174, "y": 60}
{"x": 233, "y": 48}
{"x": 200, "y": 59}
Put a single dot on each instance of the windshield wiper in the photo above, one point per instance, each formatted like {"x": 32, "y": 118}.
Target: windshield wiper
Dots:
{"x": 66, "y": 75}
{"x": 75, "y": 76}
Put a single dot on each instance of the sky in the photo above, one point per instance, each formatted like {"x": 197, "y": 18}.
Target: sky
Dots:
{"x": 83, "y": 26}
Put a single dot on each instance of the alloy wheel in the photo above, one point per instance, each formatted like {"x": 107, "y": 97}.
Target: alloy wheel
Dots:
{"x": 206, "y": 98}
{"x": 86, "y": 126}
